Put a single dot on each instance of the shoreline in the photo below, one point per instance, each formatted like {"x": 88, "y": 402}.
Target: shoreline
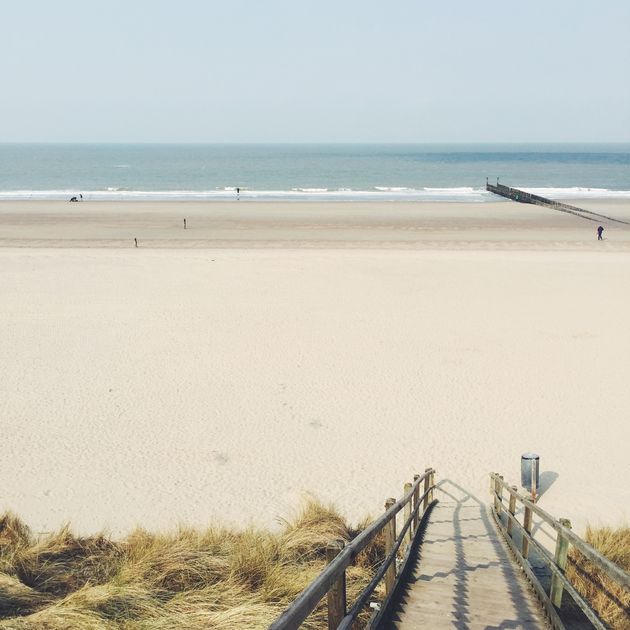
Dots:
{"x": 331, "y": 225}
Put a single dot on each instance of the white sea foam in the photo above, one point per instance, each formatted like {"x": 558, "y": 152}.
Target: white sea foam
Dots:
{"x": 462, "y": 190}
{"x": 577, "y": 192}
{"x": 460, "y": 194}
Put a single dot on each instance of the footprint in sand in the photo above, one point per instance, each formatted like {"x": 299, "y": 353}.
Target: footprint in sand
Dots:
{"x": 220, "y": 457}
{"x": 583, "y": 335}
{"x": 316, "y": 424}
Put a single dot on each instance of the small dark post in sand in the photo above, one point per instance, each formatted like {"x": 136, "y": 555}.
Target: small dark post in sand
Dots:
{"x": 135, "y": 240}
{"x": 184, "y": 223}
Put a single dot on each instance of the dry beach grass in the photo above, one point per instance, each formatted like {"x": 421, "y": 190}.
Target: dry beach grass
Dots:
{"x": 610, "y": 601}
{"x": 215, "y": 578}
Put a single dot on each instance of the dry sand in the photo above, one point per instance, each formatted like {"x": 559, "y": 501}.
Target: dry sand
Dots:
{"x": 333, "y": 348}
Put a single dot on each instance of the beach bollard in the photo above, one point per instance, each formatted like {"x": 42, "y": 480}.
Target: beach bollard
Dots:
{"x": 530, "y": 470}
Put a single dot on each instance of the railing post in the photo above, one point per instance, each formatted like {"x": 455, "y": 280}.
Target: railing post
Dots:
{"x": 512, "y": 511}
{"x": 337, "y": 592}
{"x": 416, "y": 497}
{"x": 500, "y": 493}
{"x": 432, "y": 484}
{"x": 407, "y": 513}
{"x": 495, "y": 493}
{"x": 560, "y": 557}
{"x": 390, "y": 541}
{"x": 427, "y": 485}
{"x": 527, "y": 526}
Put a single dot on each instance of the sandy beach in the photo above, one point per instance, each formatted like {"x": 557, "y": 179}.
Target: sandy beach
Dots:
{"x": 220, "y": 372}
{"x": 374, "y": 225}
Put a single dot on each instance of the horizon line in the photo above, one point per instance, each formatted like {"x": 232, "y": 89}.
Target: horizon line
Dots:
{"x": 313, "y": 143}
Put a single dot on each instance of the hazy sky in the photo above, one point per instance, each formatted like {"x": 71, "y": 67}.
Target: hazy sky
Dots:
{"x": 314, "y": 70}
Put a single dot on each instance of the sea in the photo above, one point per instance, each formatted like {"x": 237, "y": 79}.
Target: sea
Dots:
{"x": 310, "y": 172}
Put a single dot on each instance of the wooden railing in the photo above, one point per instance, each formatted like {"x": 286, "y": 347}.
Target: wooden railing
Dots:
{"x": 512, "y": 529}
{"x": 332, "y": 580}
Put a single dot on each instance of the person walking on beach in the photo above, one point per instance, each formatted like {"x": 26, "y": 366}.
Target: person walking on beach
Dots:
{"x": 238, "y": 193}
{"x": 135, "y": 240}
{"x": 184, "y": 223}
{"x": 600, "y": 229}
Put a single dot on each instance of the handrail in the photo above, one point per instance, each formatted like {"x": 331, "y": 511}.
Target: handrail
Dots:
{"x": 559, "y": 574}
{"x": 363, "y": 597}
{"x": 556, "y": 563}
{"x": 310, "y": 597}
{"x": 613, "y": 571}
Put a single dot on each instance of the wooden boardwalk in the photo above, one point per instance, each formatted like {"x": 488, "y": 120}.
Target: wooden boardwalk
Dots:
{"x": 463, "y": 576}
{"x": 451, "y": 568}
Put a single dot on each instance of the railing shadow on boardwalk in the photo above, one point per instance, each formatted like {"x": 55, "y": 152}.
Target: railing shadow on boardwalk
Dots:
{"x": 467, "y": 508}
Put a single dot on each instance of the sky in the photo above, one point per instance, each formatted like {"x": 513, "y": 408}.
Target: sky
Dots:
{"x": 315, "y": 71}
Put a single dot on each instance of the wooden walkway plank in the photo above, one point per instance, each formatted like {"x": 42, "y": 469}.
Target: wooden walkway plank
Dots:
{"x": 463, "y": 576}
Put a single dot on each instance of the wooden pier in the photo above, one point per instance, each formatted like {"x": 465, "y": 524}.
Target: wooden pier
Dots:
{"x": 522, "y": 196}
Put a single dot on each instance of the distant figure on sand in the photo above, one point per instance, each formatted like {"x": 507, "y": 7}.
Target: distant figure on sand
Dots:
{"x": 238, "y": 193}
{"x": 600, "y": 229}
{"x": 184, "y": 223}
{"x": 135, "y": 240}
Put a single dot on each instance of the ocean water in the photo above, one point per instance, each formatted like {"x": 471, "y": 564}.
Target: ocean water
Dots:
{"x": 311, "y": 172}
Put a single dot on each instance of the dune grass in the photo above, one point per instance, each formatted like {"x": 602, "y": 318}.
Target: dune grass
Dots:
{"x": 187, "y": 579}
{"x": 610, "y": 601}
